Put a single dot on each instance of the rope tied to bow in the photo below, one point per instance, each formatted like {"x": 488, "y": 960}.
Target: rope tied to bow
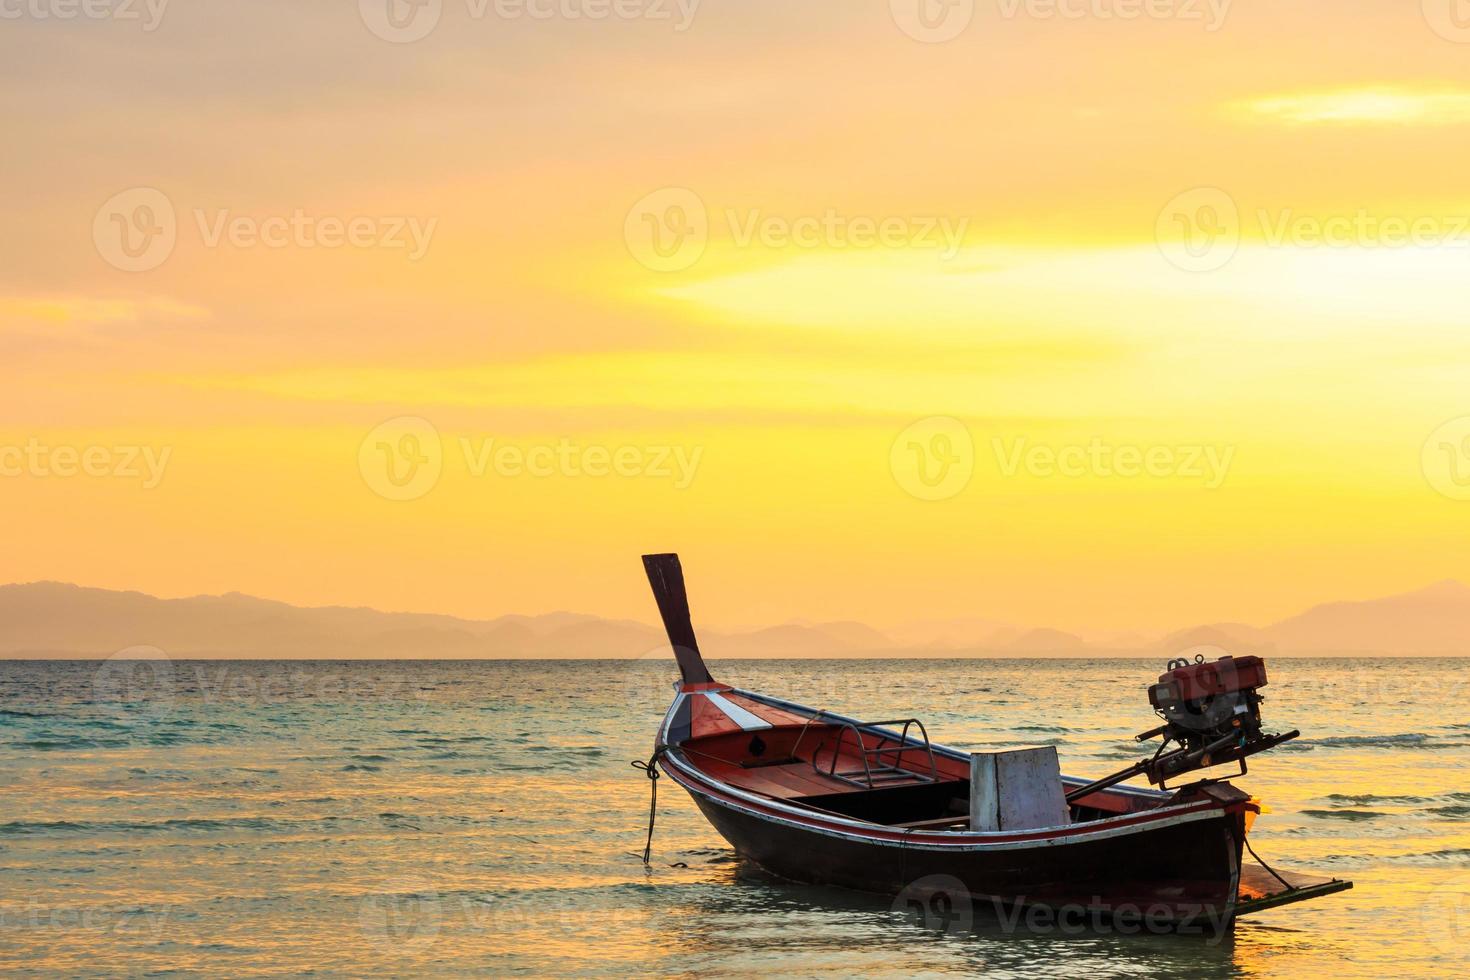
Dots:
{"x": 650, "y": 768}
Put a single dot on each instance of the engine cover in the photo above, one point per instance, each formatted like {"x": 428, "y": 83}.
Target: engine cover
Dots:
{"x": 1203, "y": 701}
{"x": 1200, "y": 680}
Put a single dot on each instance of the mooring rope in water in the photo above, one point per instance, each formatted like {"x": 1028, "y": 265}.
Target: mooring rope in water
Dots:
{"x": 1289, "y": 886}
{"x": 651, "y": 769}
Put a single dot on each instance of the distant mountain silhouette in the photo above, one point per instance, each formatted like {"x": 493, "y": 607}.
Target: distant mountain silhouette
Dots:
{"x": 964, "y": 633}
{"x": 1045, "y": 641}
{"x": 1431, "y": 620}
{"x": 1231, "y": 637}
{"x": 56, "y": 619}
{"x": 52, "y": 618}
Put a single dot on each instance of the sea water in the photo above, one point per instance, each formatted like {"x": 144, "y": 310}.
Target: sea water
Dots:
{"x": 259, "y": 818}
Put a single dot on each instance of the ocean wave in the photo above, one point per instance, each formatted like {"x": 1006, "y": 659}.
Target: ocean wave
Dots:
{"x": 1373, "y": 741}
{"x": 1294, "y": 746}
{"x": 1344, "y": 814}
{"x": 1455, "y": 811}
{"x": 17, "y": 828}
{"x": 56, "y": 743}
{"x": 1447, "y": 854}
{"x": 17, "y": 713}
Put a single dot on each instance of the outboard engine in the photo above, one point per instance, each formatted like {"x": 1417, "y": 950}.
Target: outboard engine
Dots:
{"x": 1212, "y": 710}
{"x": 1201, "y": 702}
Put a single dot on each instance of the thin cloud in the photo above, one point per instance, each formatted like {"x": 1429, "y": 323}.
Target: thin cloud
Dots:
{"x": 86, "y": 311}
{"x": 1361, "y": 107}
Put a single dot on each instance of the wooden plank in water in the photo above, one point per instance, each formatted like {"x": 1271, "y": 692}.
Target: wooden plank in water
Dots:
{"x": 1259, "y": 889}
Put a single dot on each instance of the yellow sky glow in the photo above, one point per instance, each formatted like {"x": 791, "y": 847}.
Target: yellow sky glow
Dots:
{"x": 1143, "y": 236}
{"x": 1366, "y": 106}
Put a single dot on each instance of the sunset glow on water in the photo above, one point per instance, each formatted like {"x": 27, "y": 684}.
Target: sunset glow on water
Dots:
{"x": 270, "y": 818}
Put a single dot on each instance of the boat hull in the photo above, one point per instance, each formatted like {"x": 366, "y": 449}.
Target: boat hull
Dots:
{"x": 1177, "y": 876}
{"x": 885, "y": 810}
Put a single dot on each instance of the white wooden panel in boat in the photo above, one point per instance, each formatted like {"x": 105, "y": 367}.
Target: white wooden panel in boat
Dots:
{"x": 1019, "y": 789}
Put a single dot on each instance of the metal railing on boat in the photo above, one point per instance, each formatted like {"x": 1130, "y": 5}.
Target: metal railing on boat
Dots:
{"x": 874, "y": 776}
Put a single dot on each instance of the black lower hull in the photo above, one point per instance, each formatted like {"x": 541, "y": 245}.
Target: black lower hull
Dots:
{"x": 1176, "y": 876}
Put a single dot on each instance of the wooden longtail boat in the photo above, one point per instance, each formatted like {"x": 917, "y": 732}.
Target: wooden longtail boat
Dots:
{"x": 875, "y": 805}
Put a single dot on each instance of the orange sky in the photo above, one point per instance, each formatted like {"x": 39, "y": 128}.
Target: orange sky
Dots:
{"x": 1082, "y": 320}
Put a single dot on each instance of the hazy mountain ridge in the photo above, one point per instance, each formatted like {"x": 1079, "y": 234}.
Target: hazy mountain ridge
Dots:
{"x": 53, "y": 618}
{"x": 57, "y": 619}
